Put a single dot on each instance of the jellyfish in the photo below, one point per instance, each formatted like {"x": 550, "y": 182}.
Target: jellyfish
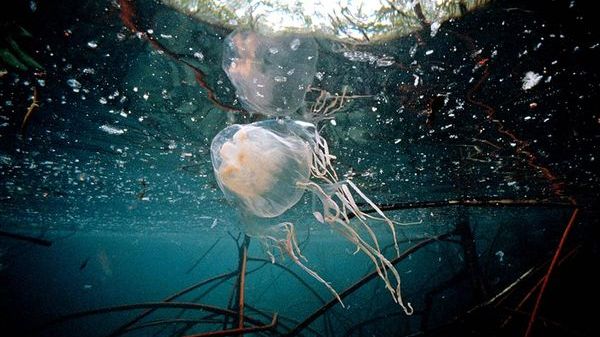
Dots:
{"x": 265, "y": 167}
{"x": 270, "y": 73}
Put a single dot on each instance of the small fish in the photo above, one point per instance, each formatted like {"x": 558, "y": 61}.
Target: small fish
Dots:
{"x": 84, "y": 263}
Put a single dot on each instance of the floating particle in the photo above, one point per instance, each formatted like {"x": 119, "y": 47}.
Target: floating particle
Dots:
{"x": 111, "y": 130}
{"x": 434, "y": 28}
{"x": 295, "y": 44}
{"x": 73, "y": 83}
{"x": 530, "y": 80}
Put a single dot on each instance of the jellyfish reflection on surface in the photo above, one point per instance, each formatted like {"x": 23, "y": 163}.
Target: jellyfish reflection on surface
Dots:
{"x": 270, "y": 73}
{"x": 265, "y": 167}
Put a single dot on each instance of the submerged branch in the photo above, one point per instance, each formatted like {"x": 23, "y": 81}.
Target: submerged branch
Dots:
{"x": 238, "y": 331}
{"x": 21, "y": 237}
{"x": 472, "y": 203}
{"x": 137, "y": 306}
{"x": 546, "y": 278}
{"x": 150, "y": 310}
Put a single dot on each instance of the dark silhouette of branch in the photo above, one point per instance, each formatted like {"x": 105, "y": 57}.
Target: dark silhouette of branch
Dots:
{"x": 21, "y": 237}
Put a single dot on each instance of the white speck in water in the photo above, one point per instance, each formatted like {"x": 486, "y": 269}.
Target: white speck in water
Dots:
{"x": 111, "y": 130}
{"x": 102, "y": 100}
{"x": 413, "y": 50}
{"x": 500, "y": 255}
{"x": 417, "y": 79}
{"x": 273, "y": 50}
{"x": 385, "y": 61}
{"x": 73, "y": 83}
{"x": 295, "y": 44}
{"x": 429, "y": 52}
{"x": 280, "y": 79}
{"x": 92, "y": 44}
{"x": 530, "y": 80}
{"x": 434, "y": 28}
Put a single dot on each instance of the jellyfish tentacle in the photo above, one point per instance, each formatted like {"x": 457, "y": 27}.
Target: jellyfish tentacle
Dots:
{"x": 322, "y": 157}
{"x": 382, "y": 264}
{"x": 268, "y": 247}
{"x": 290, "y": 245}
{"x": 377, "y": 258}
{"x": 349, "y": 203}
{"x": 322, "y": 168}
{"x": 326, "y": 104}
{"x": 374, "y": 207}
{"x": 321, "y": 152}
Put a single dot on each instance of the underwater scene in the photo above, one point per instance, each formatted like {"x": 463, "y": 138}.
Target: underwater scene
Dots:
{"x": 299, "y": 168}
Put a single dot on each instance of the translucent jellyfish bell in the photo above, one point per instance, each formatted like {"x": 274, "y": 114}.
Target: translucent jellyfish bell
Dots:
{"x": 259, "y": 166}
{"x": 270, "y": 73}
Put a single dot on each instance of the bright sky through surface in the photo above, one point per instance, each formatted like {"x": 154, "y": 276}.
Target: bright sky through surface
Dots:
{"x": 347, "y": 20}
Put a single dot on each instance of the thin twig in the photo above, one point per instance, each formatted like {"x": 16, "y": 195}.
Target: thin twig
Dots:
{"x": 538, "y": 300}
{"x": 203, "y": 256}
{"x": 242, "y": 280}
{"x": 32, "y": 107}
{"x": 238, "y": 331}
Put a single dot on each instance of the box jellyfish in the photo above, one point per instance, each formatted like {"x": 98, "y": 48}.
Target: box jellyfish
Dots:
{"x": 270, "y": 73}
{"x": 264, "y": 168}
